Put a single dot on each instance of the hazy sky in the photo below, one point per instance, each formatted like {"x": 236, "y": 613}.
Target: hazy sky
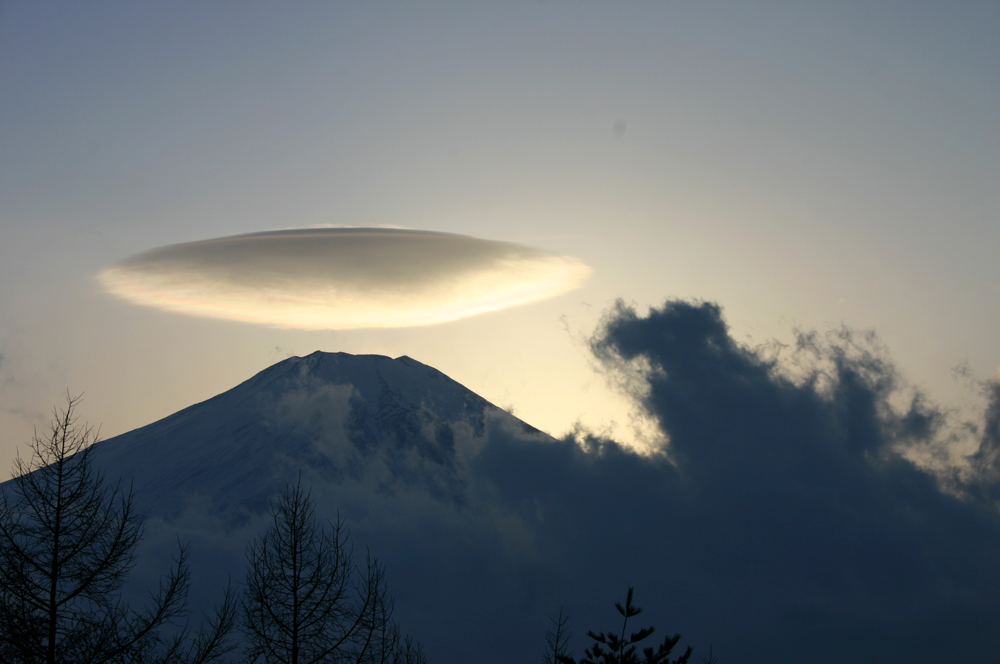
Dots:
{"x": 801, "y": 164}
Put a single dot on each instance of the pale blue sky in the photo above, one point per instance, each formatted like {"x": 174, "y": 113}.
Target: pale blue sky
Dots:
{"x": 802, "y": 164}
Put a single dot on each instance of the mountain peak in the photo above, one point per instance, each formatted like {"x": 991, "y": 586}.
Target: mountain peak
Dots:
{"x": 340, "y": 416}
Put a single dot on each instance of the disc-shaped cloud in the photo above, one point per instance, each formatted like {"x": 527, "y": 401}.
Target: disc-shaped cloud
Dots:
{"x": 342, "y": 278}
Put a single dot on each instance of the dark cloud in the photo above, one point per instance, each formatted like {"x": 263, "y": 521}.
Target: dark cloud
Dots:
{"x": 783, "y": 522}
{"x": 791, "y": 527}
{"x": 342, "y": 278}
{"x": 985, "y": 480}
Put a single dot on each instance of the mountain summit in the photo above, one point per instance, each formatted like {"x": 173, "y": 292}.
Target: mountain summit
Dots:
{"x": 339, "y": 417}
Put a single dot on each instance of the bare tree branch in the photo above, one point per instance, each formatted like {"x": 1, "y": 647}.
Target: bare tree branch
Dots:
{"x": 305, "y": 602}
{"x": 67, "y": 545}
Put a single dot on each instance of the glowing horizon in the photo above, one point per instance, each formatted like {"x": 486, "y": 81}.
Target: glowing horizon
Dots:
{"x": 342, "y": 278}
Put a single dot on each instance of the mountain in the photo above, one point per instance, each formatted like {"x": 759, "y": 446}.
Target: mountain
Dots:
{"x": 389, "y": 444}
{"x": 339, "y": 417}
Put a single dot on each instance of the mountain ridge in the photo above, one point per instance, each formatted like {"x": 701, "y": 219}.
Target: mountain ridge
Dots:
{"x": 340, "y": 414}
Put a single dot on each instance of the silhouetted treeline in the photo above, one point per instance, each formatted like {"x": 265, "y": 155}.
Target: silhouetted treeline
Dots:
{"x": 615, "y": 646}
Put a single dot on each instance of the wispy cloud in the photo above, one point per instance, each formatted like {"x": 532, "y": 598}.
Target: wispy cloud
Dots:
{"x": 342, "y": 278}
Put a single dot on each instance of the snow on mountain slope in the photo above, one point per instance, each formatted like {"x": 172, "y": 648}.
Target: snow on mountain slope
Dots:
{"x": 335, "y": 415}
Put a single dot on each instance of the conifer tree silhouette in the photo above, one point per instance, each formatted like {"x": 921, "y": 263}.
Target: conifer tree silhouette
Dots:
{"x": 622, "y": 649}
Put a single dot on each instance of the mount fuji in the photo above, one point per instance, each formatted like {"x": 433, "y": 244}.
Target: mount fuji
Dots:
{"x": 390, "y": 445}
{"x": 391, "y": 425}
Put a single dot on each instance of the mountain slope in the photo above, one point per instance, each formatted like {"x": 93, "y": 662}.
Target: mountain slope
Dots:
{"x": 337, "y": 415}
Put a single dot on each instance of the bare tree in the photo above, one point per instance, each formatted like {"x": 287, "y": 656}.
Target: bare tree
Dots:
{"x": 408, "y": 652}
{"x": 67, "y": 544}
{"x": 304, "y": 601}
{"x": 557, "y": 639}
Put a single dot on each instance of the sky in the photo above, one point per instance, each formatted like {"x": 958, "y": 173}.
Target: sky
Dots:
{"x": 805, "y": 166}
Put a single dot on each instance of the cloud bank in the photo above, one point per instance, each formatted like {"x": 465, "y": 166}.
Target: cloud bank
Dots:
{"x": 784, "y": 522}
{"x": 342, "y": 278}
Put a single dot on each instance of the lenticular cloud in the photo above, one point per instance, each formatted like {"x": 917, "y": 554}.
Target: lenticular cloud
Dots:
{"x": 342, "y": 278}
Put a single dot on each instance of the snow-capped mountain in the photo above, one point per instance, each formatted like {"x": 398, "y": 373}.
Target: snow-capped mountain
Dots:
{"x": 339, "y": 417}
{"x": 390, "y": 445}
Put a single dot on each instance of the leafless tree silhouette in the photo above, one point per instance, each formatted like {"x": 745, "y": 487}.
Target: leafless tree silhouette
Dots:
{"x": 556, "y": 639}
{"x": 306, "y": 603}
{"x": 67, "y": 544}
